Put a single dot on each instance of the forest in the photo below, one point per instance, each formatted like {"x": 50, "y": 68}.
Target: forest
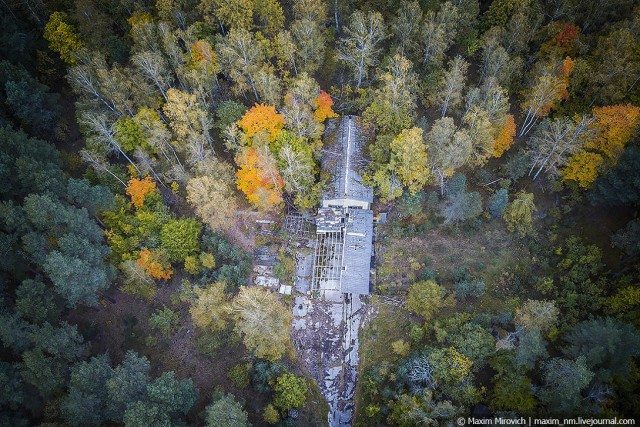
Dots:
{"x": 140, "y": 141}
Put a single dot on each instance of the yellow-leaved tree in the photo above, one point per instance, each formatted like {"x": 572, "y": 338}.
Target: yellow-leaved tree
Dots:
{"x": 154, "y": 267}
{"x": 583, "y": 168}
{"x": 62, "y": 37}
{"x": 262, "y": 321}
{"x": 209, "y": 310}
{"x": 610, "y": 129}
{"x": 409, "y": 159}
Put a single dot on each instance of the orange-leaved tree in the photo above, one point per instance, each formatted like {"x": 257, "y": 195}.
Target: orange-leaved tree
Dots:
{"x": 258, "y": 177}
{"x": 323, "y": 104}
{"x": 614, "y": 125}
{"x": 262, "y": 117}
{"x": 505, "y": 137}
{"x": 138, "y": 189}
{"x": 152, "y": 265}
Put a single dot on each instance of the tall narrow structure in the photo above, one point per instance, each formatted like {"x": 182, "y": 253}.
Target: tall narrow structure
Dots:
{"x": 344, "y": 224}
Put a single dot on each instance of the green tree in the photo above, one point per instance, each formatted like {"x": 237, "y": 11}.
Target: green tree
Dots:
{"x": 531, "y": 348}
{"x": 35, "y": 303}
{"x": 513, "y": 392}
{"x": 563, "y": 381}
{"x": 141, "y": 414}
{"x": 497, "y": 203}
{"x": 227, "y": 113}
{"x": 519, "y": 214}
{"x": 31, "y": 102}
{"x": 85, "y": 403}
{"x": 475, "y": 342}
{"x": 462, "y": 207}
{"x": 607, "y": 345}
{"x": 165, "y": 320}
{"x": 127, "y": 385}
{"x": 172, "y": 396}
{"x": 75, "y": 262}
{"x": 426, "y": 298}
{"x": 53, "y": 348}
{"x": 226, "y": 412}
{"x": 181, "y": 238}
{"x": 291, "y": 392}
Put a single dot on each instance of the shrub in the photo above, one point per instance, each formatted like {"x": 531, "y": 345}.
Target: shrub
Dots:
{"x": 401, "y": 347}
{"x": 461, "y": 207}
{"x": 239, "y": 375}
{"x": 473, "y": 288}
{"x": 270, "y": 415}
{"x": 497, "y": 203}
{"x": 165, "y": 320}
{"x": 456, "y": 185}
{"x": 412, "y": 204}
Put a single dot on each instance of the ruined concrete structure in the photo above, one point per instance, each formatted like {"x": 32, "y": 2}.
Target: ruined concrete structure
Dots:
{"x": 344, "y": 224}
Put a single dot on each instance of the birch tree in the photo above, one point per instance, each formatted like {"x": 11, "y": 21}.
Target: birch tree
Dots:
{"x": 448, "y": 149}
{"x": 154, "y": 67}
{"x": 394, "y": 102}
{"x": 451, "y": 85}
{"x": 312, "y": 10}
{"x": 103, "y": 134}
{"x": 298, "y": 107}
{"x": 438, "y": 34}
{"x": 310, "y": 39}
{"x": 555, "y": 141}
{"x": 189, "y": 122}
{"x": 406, "y": 25}
{"x": 549, "y": 88}
{"x": 211, "y": 193}
{"x": 233, "y": 14}
{"x": 241, "y": 57}
{"x": 286, "y": 52}
{"x": 359, "y": 49}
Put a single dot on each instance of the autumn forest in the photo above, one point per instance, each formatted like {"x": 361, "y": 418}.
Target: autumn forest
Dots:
{"x": 152, "y": 153}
